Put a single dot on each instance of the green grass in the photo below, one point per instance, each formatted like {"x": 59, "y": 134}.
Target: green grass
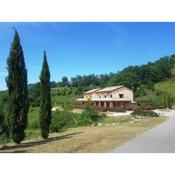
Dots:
{"x": 30, "y": 133}
{"x": 33, "y": 118}
{"x": 58, "y": 100}
{"x": 117, "y": 120}
{"x": 167, "y": 86}
{"x": 156, "y": 97}
{"x": 152, "y": 98}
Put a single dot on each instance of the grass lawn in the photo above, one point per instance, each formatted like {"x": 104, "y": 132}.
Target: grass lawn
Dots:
{"x": 109, "y": 134}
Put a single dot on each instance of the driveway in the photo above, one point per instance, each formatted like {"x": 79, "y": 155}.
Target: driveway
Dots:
{"x": 118, "y": 114}
{"x": 160, "y": 139}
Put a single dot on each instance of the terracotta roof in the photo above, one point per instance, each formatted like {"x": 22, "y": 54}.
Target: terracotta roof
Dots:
{"x": 107, "y": 89}
{"x": 91, "y": 91}
{"x": 105, "y": 99}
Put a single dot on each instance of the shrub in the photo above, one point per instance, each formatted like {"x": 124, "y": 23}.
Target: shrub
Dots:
{"x": 30, "y": 133}
{"x": 141, "y": 112}
{"x": 4, "y": 123}
{"x": 33, "y": 118}
{"x": 88, "y": 116}
{"x": 62, "y": 120}
{"x": 4, "y": 130}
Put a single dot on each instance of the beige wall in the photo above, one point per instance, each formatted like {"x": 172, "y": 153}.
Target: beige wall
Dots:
{"x": 91, "y": 95}
{"x": 127, "y": 93}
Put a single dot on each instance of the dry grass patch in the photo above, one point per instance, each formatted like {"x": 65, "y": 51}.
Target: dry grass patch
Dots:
{"x": 91, "y": 139}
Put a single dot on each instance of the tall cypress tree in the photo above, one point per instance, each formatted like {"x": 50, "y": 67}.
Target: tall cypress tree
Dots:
{"x": 17, "y": 90}
{"x": 45, "y": 99}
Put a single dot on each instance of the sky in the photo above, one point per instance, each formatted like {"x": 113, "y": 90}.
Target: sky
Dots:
{"x": 86, "y": 48}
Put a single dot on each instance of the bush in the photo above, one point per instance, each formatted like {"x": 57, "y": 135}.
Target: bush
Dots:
{"x": 62, "y": 120}
{"x": 4, "y": 122}
{"x": 30, "y": 133}
{"x": 88, "y": 116}
{"x": 4, "y": 130}
{"x": 33, "y": 118}
{"x": 147, "y": 113}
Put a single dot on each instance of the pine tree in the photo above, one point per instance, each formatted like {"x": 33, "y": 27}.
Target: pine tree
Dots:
{"x": 45, "y": 99}
{"x": 17, "y": 90}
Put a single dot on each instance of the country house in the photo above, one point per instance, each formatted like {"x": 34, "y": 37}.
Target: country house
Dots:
{"x": 109, "y": 97}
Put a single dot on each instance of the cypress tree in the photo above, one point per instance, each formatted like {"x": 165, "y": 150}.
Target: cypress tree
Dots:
{"x": 17, "y": 90}
{"x": 45, "y": 99}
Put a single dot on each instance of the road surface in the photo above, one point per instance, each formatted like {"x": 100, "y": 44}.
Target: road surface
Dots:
{"x": 160, "y": 139}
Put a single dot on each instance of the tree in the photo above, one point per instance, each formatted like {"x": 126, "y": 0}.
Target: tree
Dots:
{"x": 45, "y": 99}
{"x": 17, "y": 90}
{"x": 65, "y": 81}
{"x": 34, "y": 94}
{"x": 53, "y": 84}
{"x": 4, "y": 129}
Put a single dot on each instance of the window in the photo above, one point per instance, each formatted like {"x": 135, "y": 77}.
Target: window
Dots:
{"x": 111, "y": 96}
{"x": 105, "y": 96}
{"x": 121, "y": 95}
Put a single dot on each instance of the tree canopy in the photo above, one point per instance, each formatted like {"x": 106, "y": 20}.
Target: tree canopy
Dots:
{"x": 17, "y": 90}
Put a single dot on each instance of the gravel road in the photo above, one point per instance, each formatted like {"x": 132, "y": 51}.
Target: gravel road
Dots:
{"x": 160, "y": 139}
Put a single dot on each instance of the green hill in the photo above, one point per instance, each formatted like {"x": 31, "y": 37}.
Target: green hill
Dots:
{"x": 156, "y": 96}
{"x": 167, "y": 86}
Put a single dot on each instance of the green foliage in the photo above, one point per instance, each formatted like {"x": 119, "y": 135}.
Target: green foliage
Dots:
{"x": 33, "y": 118}
{"x": 64, "y": 83}
{"x": 147, "y": 113}
{"x": 63, "y": 95}
{"x": 159, "y": 96}
{"x": 4, "y": 129}
{"x": 167, "y": 86}
{"x": 63, "y": 91}
{"x": 88, "y": 116}
{"x": 168, "y": 101}
{"x": 84, "y": 81}
{"x": 45, "y": 99}
{"x": 142, "y": 90}
{"x": 4, "y": 120}
{"x": 149, "y": 74}
{"x": 30, "y": 133}
{"x": 153, "y": 97}
{"x": 88, "y": 104}
{"x": 17, "y": 90}
{"x": 34, "y": 94}
{"x": 62, "y": 120}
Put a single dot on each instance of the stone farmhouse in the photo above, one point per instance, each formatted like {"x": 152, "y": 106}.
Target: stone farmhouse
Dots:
{"x": 109, "y": 97}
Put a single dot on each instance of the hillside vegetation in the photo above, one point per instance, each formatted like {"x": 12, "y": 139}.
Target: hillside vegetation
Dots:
{"x": 161, "y": 90}
{"x": 166, "y": 86}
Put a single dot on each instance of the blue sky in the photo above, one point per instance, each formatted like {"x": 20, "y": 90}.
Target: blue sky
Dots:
{"x": 86, "y": 48}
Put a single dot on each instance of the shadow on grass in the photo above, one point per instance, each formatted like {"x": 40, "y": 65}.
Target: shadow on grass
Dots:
{"x": 35, "y": 143}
